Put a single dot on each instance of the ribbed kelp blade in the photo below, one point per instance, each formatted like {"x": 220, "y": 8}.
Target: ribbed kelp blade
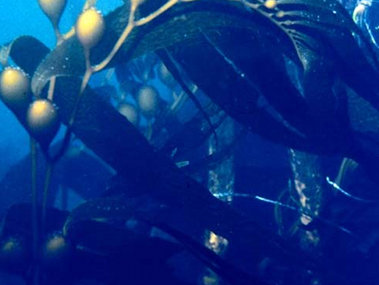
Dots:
{"x": 324, "y": 30}
{"x": 109, "y": 209}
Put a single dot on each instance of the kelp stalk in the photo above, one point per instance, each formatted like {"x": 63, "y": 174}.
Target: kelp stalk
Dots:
{"x": 46, "y": 185}
{"x": 33, "y": 153}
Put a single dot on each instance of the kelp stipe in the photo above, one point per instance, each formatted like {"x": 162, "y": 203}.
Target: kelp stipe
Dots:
{"x": 53, "y": 9}
{"x": 89, "y": 30}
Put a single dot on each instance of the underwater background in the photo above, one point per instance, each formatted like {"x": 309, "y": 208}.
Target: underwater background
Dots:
{"x": 189, "y": 142}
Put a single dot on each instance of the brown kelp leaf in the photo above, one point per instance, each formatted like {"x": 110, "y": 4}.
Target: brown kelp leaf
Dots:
{"x": 181, "y": 23}
{"x": 20, "y": 49}
{"x": 67, "y": 60}
{"x": 111, "y": 208}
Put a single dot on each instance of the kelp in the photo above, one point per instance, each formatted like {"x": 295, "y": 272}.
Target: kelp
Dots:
{"x": 316, "y": 37}
{"x": 241, "y": 48}
{"x": 97, "y": 251}
{"x": 21, "y": 49}
{"x": 182, "y": 22}
{"x": 191, "y": 208}
{"x": 193, "y": 133}
{"x": 77, "y": 163}
{"x": 145, "y": 210}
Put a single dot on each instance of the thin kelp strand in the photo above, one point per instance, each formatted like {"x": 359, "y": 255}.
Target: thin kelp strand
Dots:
{"x": 267, "y": 107}
{"x": 236, "y": 69}
{"x": 310, "y": 25}
{"x": 347, "y": 194}
{"x": 316, "y": 10}
{"x": 369, "y": 31}
{"x": 35, "y": 230}
{"x": 264, "y": 105}
{"x": 174, "y": 69}
{"x": 158, "y": 12}
{"x": 341, "y": 228}
{"x": 277, "y": 203}
{"x": 336, "y": 10}
{"x": 132, "y": 23}
{"x": 117, "y": 46}
{"x": 340, "y": 15}
{"x": 301, "y": 211}
{"x": 224, "y": 269}
{"x": 48, "y": 173}
{"x": 50, "y": 93}
{"x": 294, "y": 17}
{"x": 302, "y": 42}
{"x": 256, "y": 6}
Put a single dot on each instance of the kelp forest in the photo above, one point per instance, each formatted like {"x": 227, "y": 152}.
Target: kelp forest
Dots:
{"x": 229, "y": 142}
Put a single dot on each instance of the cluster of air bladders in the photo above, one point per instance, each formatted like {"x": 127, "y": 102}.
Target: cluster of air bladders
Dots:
{"x": 146, "y": 99}
{"x": 38, "y": 114}
{"x": 40, "y": 117}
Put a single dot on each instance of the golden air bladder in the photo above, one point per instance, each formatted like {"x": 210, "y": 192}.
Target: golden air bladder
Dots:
{"x": 270, "y": 4}
{"x": 14, "y": 89}
{"x": 13, "y": 253}
{"x": 148, "y": 100}
{"x": 42, "y": 121}
{"x": 130, "y": 112}
{"x": 89, "y": 28}
{"x": 56, "y": 251}
{"x": 53, "y": 9}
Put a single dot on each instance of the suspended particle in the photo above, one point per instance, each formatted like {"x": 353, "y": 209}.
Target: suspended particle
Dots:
{"x": 270, "y": 4}
{"x": 56, "y": 253}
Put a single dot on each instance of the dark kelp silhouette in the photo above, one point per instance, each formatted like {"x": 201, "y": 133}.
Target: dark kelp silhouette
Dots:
{"x": 88, "y": 256}
{"x": 315, "y": 38}
{"x": 238, "y": 53}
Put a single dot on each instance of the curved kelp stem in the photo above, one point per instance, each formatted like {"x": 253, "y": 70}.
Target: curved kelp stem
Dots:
{"x": 132, "y": 23}
{"x": 46, "y": 185}
{"x": 50, "y": 93}
{"x": 51, "y": 160}
{"x": 95, "y": 34}
{"x": 169, "y": 61}
{"x": 33, "y": 153}
{"x": 86, "y": 78}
